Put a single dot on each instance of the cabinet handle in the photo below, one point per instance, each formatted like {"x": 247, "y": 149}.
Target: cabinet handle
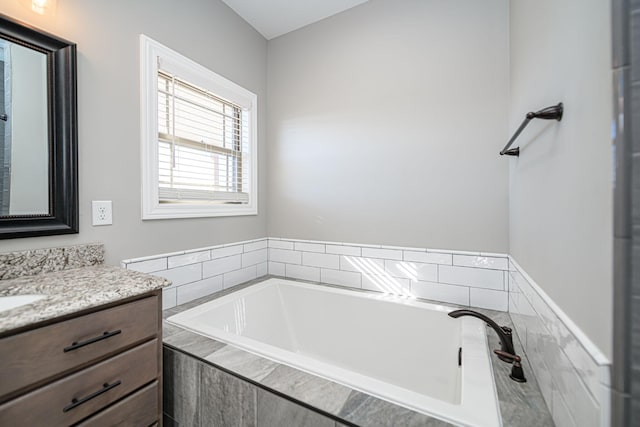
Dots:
{"x": 77, "y": 402}
{"x": 104, "y": 336}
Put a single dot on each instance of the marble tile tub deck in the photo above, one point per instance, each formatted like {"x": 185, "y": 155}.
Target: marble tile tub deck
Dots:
{"x": 267, "y": 387}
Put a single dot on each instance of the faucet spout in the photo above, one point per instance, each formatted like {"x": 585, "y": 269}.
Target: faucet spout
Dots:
{"x": 504, "y": 333}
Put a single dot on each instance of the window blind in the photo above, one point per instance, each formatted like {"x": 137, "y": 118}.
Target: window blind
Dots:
{"x": 203, "y": 145}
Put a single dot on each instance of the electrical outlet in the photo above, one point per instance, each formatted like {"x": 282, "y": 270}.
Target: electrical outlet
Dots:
{"x": 102, "y": 212}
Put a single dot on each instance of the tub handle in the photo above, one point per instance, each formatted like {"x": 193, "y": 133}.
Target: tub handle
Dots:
{"x": 517, "y": 374}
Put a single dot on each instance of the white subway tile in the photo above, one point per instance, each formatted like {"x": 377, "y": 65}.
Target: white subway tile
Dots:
{"x": 560, "y": 413}
{"x": 280, "y": 244}
{"x": 343, "y": 250}
{"x": 362, "y": 265}
{"x": 382, "y": 253}
{"x": 582, "y": 362}
{"x": 239, "y": 276}
{"x": 581, "y": 405}
{"x": 438, "y": 292}
{"x": 190, "y": 258}
{"x": 181, "y": 275}
{"x": 302, "y": 272}
{"x": 474, "y": 277}
{"x": 226, "y": 251}
{"x": 404, "y": 248}
{"x": 545, "y": 312}
{"x": 362, "y": 245}
{"x": 262, "y": 269}
{"x": 253, "y": 258}
{"x": 481, "y": 262}
{"x": 342, "y": 278}
{"x": 605, "y": 401}
{"x": 543, "y": 375}
{"x": 487, "y": 298}
{"x": 308, "y": 247}
{"x": 495, "y": 254}
{"x": 400, "y": 248}
{"x": 313, "y": 259}
{"x": 152, "y": 257}
{"x": 412, "y": 270}
{"x": 387, "y": 284}
{"x": 149, "y": 266}
{"x": 276, "y": 268}
{"x": 221, "y": 265}
{"x": 198, "y": 289}
{"x": 519, "y": 321}
{"x": 286, "y": 256}
{"x": 451, "y": 251}
{"x": 428, "y": 257}
{"x": 168, "y": 298}
{"x": 254, "y": 246}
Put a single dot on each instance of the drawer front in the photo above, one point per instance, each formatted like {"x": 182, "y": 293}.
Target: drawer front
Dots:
{"x": 139, "y": 409}
{"x": 80, "y": 395}
{"x": 35, "y": 356}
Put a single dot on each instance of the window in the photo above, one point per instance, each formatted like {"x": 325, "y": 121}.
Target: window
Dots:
{"x": 198, "y": 139}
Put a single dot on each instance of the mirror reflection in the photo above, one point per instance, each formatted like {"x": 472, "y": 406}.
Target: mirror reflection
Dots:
{"x": 24, "y": 141}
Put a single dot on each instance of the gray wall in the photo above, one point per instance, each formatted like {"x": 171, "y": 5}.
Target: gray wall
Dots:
{"x": 106, "y": 32}
{"x": 560, "y": 198}
{"x": 384, "y": 126}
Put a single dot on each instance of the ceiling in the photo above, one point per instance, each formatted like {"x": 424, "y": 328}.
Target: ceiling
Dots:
{"x": 273, "y": 18}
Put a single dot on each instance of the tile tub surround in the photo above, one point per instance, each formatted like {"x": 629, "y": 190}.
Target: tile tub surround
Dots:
{"x": 193, "y": 363}
{"x": 463, "y": 278}
{"x": 200, "y": 272}
{"x": 574, "y": 376}
{"x": 70, "y": 291}
{"x": 561, "y": 360}
{"x": 39, "y": 261}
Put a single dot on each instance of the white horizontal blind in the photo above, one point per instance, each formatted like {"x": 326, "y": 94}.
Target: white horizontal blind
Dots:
{"x": 203, "y": 145}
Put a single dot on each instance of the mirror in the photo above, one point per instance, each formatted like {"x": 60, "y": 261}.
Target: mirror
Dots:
{"x": 24, "y": 153}
{"x": 38, "y": 133}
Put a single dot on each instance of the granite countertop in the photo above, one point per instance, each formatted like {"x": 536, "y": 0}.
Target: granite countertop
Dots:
{"x": 73, "y": 290}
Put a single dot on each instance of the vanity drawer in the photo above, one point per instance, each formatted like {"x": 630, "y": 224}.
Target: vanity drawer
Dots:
{"x": 139, "y": 409}
{"x": 32, "y": 357}
{"x": 79, "y": 395}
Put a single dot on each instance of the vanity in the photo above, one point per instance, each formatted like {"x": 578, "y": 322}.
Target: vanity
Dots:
{"x": 85, "y": 349}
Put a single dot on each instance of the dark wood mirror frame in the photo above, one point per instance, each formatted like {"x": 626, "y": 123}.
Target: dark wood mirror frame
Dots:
{"x": 63, "y": 134}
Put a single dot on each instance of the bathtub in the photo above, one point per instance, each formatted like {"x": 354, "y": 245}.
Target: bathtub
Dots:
{"x": 400, "y": 350}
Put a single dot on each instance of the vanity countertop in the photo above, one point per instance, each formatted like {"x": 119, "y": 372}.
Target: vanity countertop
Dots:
{"x": 73, "y": 290}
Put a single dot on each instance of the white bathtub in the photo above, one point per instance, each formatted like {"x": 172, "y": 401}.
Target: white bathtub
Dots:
{"x": 399, "y": 350}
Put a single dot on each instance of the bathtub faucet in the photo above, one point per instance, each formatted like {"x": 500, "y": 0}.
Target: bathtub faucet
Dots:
{"x": 506, "y": 352}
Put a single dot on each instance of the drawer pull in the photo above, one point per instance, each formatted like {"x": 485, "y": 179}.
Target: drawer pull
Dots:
{"x": 104, "y": 336}
{"x": 77, "y": 402}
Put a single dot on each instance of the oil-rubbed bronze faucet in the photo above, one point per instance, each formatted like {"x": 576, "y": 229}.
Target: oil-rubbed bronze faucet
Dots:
{"x": 517, "y": 374}
{"x": 506, "y": 352}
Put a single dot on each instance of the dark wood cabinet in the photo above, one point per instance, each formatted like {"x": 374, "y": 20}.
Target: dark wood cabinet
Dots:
{"x": 102, "y": 367}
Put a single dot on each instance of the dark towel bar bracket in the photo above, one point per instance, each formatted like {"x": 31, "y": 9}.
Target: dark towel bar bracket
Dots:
{"x": 550, "y": 113}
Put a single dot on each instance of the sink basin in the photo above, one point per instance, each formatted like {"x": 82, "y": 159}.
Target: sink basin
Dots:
{"x": 8, "y": 303}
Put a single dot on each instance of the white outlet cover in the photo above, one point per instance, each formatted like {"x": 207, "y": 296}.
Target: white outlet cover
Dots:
{"x": 102, "y": 212}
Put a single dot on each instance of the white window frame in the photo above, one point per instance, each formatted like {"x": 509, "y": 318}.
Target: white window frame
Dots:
{"x": 152, "y": 54}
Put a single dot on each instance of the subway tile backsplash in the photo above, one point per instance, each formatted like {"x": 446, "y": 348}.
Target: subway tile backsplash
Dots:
{"x": 200, "y": 272}
{"x": 572, "y": 374}
{"x": 463, "y": 278}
